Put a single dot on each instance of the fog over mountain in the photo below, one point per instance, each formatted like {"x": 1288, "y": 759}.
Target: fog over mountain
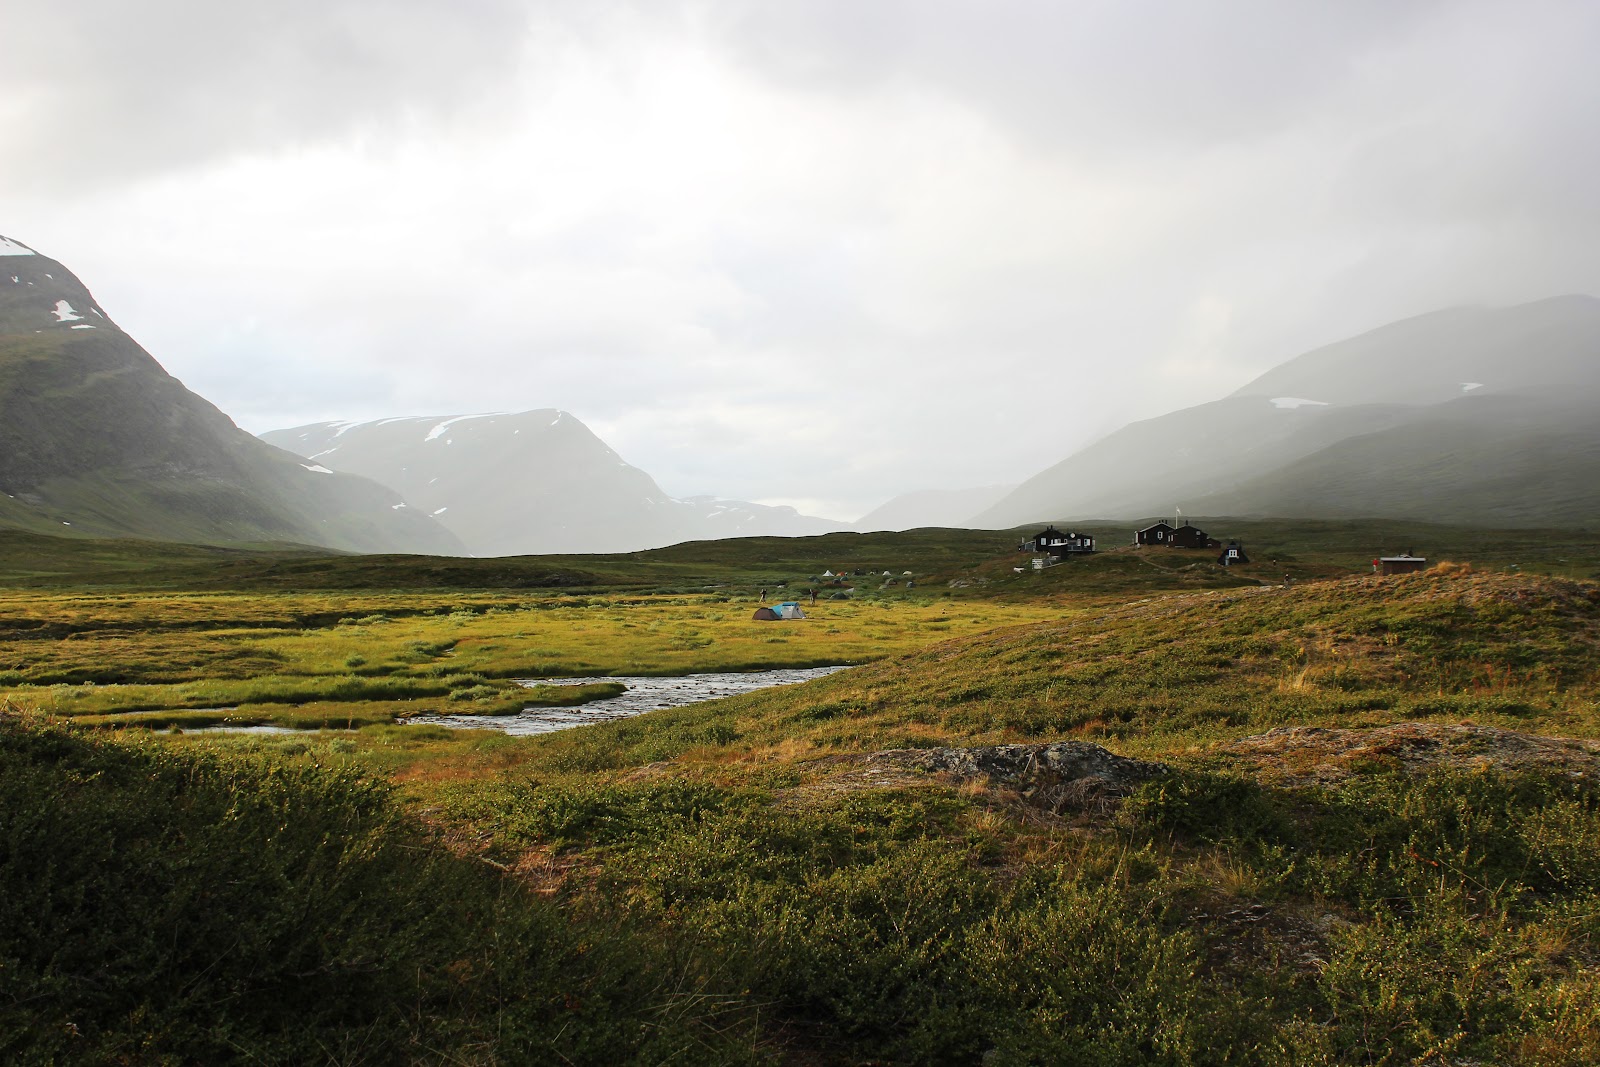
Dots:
{"x": 1464, "y": 415}
{"x": 530, "y": 482}
{"x": 932, "y": 507}
{"x": 811, "y": 253}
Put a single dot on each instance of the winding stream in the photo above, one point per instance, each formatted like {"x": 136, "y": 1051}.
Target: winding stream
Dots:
{"x": 644, "y": 694}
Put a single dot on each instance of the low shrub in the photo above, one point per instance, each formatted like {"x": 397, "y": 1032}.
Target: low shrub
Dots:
{"x": 168, "y": 906}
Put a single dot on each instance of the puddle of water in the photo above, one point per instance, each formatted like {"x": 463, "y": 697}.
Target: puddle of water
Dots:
{"x": 220, "y": 728}
{"x": 644, "y": 694}
{"x": 264, "y": 728}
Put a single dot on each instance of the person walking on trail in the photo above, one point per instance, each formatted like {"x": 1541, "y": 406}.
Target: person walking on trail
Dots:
{"x": 763, "y": 595}
{"x": 813, "y": 598}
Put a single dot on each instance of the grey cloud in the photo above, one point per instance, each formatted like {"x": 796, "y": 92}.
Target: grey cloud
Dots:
{"x": 1257, "y": 178}
{"x": 115, "y": 89}
{"x": 1105, "y": 75}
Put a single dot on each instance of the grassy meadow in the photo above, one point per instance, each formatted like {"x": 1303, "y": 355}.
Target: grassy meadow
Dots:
{"x": 743, "y": 881}
{"x": 108, "y": 658}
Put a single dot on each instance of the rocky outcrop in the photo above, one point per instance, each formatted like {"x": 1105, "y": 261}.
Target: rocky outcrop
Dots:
{"x": 1056, "y": 776}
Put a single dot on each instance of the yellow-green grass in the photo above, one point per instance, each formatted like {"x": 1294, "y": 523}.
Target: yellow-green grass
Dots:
{"x": 70, "y": 654}
{"x": 1172, "y": 674}
{"x": 1156, "y": 675}
{"x": 1214, "y": 919}
{"x": 1166, "y": 675}
{"x": 1405, "y": 913}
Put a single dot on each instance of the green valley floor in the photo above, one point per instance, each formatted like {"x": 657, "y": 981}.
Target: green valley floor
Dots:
{"x": 1140, "y": 809}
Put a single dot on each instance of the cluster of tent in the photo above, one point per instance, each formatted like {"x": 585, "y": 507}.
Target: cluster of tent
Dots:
{"x": 790, "y": 609}
{"x": 842, "y": 574}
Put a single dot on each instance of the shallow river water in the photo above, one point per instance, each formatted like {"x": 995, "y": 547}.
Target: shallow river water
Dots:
{"x": 644, "y": 694}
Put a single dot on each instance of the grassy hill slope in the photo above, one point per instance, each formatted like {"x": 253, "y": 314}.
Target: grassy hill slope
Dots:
{"x": 39, "y": 560}
{"x": 1165, "y": 672}
{"x": 1422, "y": 895}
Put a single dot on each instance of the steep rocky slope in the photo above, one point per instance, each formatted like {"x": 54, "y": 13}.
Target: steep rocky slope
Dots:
{"x": 95, "y": 436}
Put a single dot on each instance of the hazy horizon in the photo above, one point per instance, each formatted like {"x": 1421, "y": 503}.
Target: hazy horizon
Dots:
{"x": 812, "y": 254}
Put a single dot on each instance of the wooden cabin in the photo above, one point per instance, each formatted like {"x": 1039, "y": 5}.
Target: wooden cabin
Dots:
{"x": 1054, "y": 542}
{"x": 1233, "y": 554}
{"x": 1153, "y": 535}
{"x": 1185, "y": 536}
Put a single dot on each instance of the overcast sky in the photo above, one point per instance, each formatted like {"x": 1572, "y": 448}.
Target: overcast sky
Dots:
{"x": 816, "y": 252}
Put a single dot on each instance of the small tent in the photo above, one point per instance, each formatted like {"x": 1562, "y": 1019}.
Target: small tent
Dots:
{"x": 765, "y": 615}
{"x": 790, "y": 609}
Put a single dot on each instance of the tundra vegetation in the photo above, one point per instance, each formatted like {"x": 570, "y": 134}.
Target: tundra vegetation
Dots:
{"x": 1377, "y": 839}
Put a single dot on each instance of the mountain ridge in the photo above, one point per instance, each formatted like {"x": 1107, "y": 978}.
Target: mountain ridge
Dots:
{"x": 1265, "y": 448}
{"x": 97, "y": 437}
{"x": 531, "y": 482}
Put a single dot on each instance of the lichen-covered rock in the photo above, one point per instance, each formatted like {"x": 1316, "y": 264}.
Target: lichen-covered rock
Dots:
{"x": 1055, "y": 776}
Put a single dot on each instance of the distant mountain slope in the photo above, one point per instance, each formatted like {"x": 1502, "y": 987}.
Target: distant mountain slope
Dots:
{"x": 1291, "y": 438}
{"x": 1497, "y": 461}
{"x": 1547, "y": 348}
{"x": 948, "y": 508}
{"x": 96, "y": 436}
{"x": 530, "y": 482}
{"x": 1149, "y": 467}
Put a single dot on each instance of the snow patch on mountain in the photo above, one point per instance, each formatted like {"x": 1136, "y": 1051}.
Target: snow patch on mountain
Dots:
{"x": 1289, "y": 403}
{"x": 64, "y": 313}
{"x": 8, "y": 247}
{"x": 440, "y": 428}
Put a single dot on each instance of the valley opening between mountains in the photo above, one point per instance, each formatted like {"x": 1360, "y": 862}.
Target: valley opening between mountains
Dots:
{"x": 784, "y": 534}
{"x": 1134, "y": 807}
